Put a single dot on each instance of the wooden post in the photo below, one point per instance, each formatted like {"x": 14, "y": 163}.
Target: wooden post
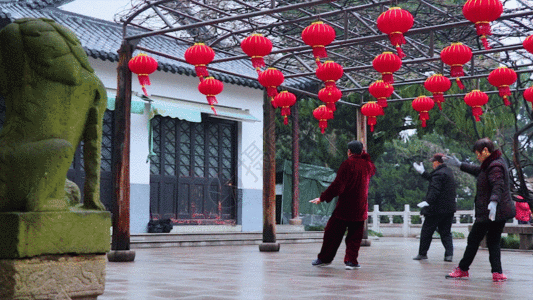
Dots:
{"x": 361, "y": 136}
{"x": 295, "y": 220}
{"x": 269, "y": 178}
{"x": 120, "y": 243}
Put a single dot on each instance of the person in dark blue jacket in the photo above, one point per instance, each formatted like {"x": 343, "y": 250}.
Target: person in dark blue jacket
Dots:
{"x": 438, "y": 207}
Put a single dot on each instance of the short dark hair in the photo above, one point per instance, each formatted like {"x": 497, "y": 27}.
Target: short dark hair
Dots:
{"x": 483, "y": 143}
{"x": 437, "y": 157}
{"x": 356, "y": 147}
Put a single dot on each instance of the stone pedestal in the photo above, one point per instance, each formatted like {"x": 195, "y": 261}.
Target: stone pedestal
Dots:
{"x": 121, "y": 255}
{"x": 366, "y": 243}
{"x": 58, "y": 277}
{"x": 295, "y": 221}
{"x": 269, "y": 247}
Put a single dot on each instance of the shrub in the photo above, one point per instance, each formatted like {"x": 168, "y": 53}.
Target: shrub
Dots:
{"x": 511, "y": 241}
{"x": 314, "y": 227}
{"x": 374, "y": 233}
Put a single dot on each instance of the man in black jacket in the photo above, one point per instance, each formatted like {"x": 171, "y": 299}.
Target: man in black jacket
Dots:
{"x": 438, "y": 207}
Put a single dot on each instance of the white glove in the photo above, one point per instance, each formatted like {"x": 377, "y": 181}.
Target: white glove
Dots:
{"x": 492, "y": 210}
{"x": 419, "y": 167}
{"x": 452, "y": 160}
{"x": 422, "y": 204}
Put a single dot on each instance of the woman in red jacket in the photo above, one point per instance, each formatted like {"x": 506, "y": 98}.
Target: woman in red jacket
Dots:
{"x": 351, "y": 185}
{"x": 523, "y": 212}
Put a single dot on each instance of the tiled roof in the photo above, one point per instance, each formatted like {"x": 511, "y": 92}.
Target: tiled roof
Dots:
{"x": 101, "y": 39}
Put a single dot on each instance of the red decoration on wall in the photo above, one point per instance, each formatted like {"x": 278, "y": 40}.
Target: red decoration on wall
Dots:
{"x": 285, "y": 100}
{"x": 437, "y": 85}
{"x": 371, "y": 110}
{"x": 329, "y": 72}
{"x": 395, "y": 22}
{"x": 423, "y": 105}
{"x": 476, "y": 99}
{"x": 199, "y": 55}
{"x": 456, "y": 55}
{"x": 256, "y": 46}
{"x": 143, "y": 65}
{"x": 386, "y": 64}
{"x": 528, "y": 95}
{"x": 211, "y": 87}
{"x": 271, "y": 78}
{"x": 528, "y": 44}
{"x": 318, "y": 35}
{"x": 502, "y": 78}
{"x": 330, "y": 95}
{"x": 481, "y": 13}
{"x": 323, "y": 114}
{"x": 381, "y": 90}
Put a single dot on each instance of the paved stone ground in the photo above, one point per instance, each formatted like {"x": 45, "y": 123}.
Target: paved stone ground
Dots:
{"x": 242, "y": 272}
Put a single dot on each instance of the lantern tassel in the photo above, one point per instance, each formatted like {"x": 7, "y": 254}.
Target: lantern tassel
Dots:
{"x": 424, "y": 115}
{"x": 439, "y": 98}
{"x": 323, "y": 124}
{"x": 459, "y": 83}
{"x": 457, "y": 71}
{"x": 477, "y": 111}
{"x": 483, "y": 29}
{"x": 371, "y": 122}
{"x": 272, "y": 91}
{"x": 485, "y": 42}
{"x": 330, "y": 83}
{"x": 285, "y": 120}
{"x": 504, "y": 92}
{"x": 143, "y": 81}
{"x": 400, "y": 51}
{"x": 319, "y": 51}
{"x": 214, "y": 110}
{"x": 331, "y": 105}
{"x": 397, "y": 39}
{"x": 201, "y": 71}
{"x": 285, "y": 111}
{"x": 387, "y": 78}
{"x": 318, "y": 62}
{"x": 258, "y": 62}
{"x": 274, "y": 105}
{"x": 506, "y": 101}
{"x": 382, "y": 102}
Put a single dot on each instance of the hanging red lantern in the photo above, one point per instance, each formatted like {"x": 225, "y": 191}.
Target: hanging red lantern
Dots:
{"x": 371, "y": 110}
{"x": 437, "y": 85}
{"x": 381, "y": 90}
{"x": 395, "y": 22}
{"x": 211, "y": 87}
{"x": 143, "y": 65}
{"x": 285, "y": 100}
{"x": 528, "y": 95}
{"x": 256, "y": 46}
{"x": 386, "y": 64}
{"x": 456, "y": 55}
{"x": 329, "y": 72}
{"x": 271, "y": 78}
{"x": 481, "y": 13}
{"x": 502, "y": 78}
{"x": 528, "y": 44}
{"x": 330, "y": 95}
{"x": 199, "y": 55}
{"x": 423, "y": 105}
{"x": 476, "y": 99}
{"x": 318, "y": 35}
{"x": 323, "y": 114}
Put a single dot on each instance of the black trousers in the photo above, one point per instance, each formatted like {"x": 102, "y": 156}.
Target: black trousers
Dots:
{"x": 442, "y": 223}
{"x": 493, "y": 231}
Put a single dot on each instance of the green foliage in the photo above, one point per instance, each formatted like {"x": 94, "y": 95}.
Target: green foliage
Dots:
{"x": 511, "y": 241}
{"x": 455, "y": 235}
{"x": 314, "y": 227}
{"x": 374, "y": 233}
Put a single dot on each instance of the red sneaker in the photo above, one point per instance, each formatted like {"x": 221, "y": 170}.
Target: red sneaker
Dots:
{"x": 458, "y": 274}
{"x": 497, "y": 277}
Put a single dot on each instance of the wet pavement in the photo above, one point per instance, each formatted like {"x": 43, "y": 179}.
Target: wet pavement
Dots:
{"x": 242, "y": 272}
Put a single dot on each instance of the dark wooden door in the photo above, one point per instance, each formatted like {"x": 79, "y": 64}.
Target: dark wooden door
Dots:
{"x": 192, "y": 170}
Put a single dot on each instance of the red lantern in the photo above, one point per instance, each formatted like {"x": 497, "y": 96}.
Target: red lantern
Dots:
{"x": 423, "y": 105}
{"x": 456, "y": 55}
{"x": 381, "y": 90}
{"x": 199, "y": 55}
{"x": 271, "y": 78}
{"x": 285, "y": 100}
{"x": 330, "y": 95}
{"x": 323, "y": 114}
{"x": 437, "y": 85}
{"x": 528, "y": 44}
{"x": 395, "y": 22}
{"x": 386, "y": 64}
{"x": 256, "y": 46}
{"x": 371, "y": 110}
{"x": 329, "y": 72}
{"x": 502, "y": 78}
{"x": 318, "y": 35}
{"x": 476, "y": 99}
{"x": 143, "y": 65}
{"x": 211, "y": 87}
{"x": 482, "y": 13}
{"x": 528, "y": 95}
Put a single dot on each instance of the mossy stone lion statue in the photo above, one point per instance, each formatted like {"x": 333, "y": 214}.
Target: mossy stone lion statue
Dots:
{"x": 54, "y": 100}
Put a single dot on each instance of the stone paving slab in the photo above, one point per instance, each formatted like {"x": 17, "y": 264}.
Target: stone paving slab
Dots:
{"x": 242, "y": 272}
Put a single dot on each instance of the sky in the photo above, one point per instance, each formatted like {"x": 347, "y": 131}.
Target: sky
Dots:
{"x": 101, "y": 9}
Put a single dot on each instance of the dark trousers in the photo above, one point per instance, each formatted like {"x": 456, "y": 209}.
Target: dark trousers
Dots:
{"x": 493, "y": 231}
{"x": 442, "y": 223}
{"x": 333, "y": 234}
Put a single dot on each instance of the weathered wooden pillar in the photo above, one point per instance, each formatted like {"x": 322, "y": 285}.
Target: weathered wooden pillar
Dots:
{"x": 120, "y": 243}
{"x": 295, "y": 217}
{"x": 269, "y": 178}
{"x": 361, "y": 136}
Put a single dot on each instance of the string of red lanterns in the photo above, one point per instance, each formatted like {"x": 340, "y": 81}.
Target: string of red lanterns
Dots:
{"x": 143, "y": 65}
{"x": 395, "y": 22}
{"x": 481, "y": 13}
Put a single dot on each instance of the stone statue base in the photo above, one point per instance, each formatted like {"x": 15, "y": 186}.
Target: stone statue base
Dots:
{"x": 28, "y": 234}
{"x": 269, "y": 247}
{"x": 365, "y": 243}
{"x": 58, "y": 277}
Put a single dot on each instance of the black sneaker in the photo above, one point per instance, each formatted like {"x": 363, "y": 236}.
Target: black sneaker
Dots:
{"x": 420, "y": 257}
{"x": 318, "y": 263}
{"x": 352, "y": 266}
